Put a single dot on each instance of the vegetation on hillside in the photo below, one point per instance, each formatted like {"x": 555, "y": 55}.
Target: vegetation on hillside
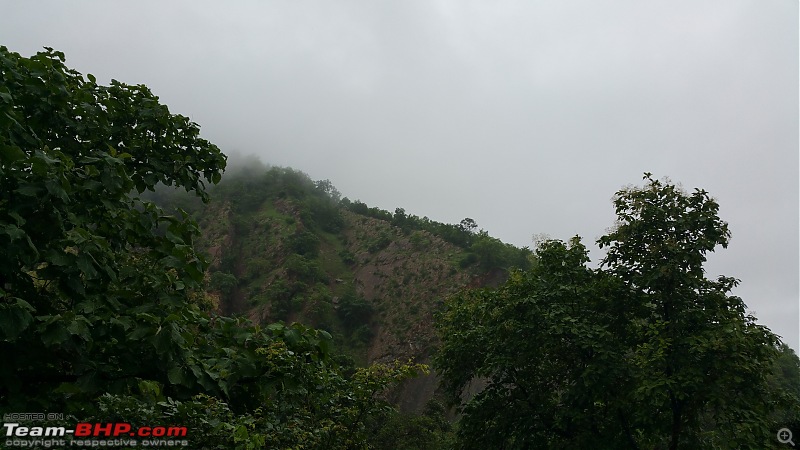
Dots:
{"x": 486, "y": 252}
{"x": 286, "y": 248}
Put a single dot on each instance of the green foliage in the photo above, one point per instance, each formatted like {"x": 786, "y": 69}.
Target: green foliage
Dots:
{"x": 328, "y": 189}
{"x": 468, "y": 225}
{"x": 223, "y": 282}
{"x": 295, "y": 395}
{"x": 317, "y": 202}
{"x": 324, "y": 207}
{"x": 304, "y": 270}
{"x": 305, "y": 243}
{"x": 419, "y": 240}
{"x": 492, "y": 253}
{"x": 363, "y": 334}
{"x": 359, "y": 207}
{"x": 94, "y": 284}
{"x": 354, "y": 310}
{"x": 279, "y": 289}
{"x": 785, "y": 380}
{"x": 468, "y": 260}
{"x": 489, "y": 251}
{"x": 100, "y": 291}
{"x": 347, "y": 257}
{"x": 379, "y": 243}
{"x": 401, "y": 220}
{"x": 642, "y": 353}
{"x": 428, "y": 431}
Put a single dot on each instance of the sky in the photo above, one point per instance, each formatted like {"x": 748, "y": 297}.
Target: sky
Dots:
{"x": 526, "y": 116}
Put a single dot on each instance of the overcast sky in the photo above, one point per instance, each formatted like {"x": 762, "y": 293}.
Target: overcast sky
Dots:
{"x": 525, "y": 116}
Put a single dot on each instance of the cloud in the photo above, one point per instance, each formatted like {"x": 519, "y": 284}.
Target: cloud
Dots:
{"x": 526, "y": 116}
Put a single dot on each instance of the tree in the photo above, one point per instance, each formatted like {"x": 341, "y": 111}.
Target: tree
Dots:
{"x": 468, "y": 225}
{"x": 785, "y": 380}
{"x": 94, "y": 280}
{"x": 700, "y": 360}
{"x": 644, "y": 352}
{"x": 328, "y": 189}
{"x": 539, "y": 345}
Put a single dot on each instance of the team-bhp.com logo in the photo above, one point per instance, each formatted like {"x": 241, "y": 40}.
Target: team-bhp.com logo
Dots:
{"x": 86, "y": 434}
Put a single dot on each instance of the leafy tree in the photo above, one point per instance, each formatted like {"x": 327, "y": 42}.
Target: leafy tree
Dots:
{"x": 401, "y": 220}
{"x": 468, "y": 225}
{"x": 90, "y": 273}
{"x": 329, "y": 190}
{"x": 644, "y": 352}
{"x": 695, "y": 345}
{"x": 531, "y": 341}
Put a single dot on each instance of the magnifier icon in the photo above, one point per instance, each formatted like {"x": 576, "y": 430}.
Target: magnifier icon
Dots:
{"x": 785, "y": 436}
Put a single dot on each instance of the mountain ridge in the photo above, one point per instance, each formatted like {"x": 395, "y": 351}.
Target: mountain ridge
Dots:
{"x": 282, "y": 247}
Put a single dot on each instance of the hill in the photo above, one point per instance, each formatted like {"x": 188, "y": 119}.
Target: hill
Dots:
{"x": 283, "y": 247}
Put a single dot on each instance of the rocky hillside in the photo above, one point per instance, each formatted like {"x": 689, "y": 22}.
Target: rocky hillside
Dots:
{"x": 284, "y": 248}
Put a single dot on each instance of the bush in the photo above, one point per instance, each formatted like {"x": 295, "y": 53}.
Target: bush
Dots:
{"x": 304, "y": 243}
{"x": 379, "y": 243}
{"x": 363, "y": 334}
{"x": 468, "y": 260}
{"x": 223, "y": 282}
{"x": 419, "y": 240}
{"x": 354, "y": 310}
{"x": 347, "y": 257}
{"x": 303, "y": 269}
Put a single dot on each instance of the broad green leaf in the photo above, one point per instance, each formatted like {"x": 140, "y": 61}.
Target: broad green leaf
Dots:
{"x": 55, "y": 334}
{"x": 175, "y": 375}
{"x": 15, "y": 317}
{"x": 10, "y": 154}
